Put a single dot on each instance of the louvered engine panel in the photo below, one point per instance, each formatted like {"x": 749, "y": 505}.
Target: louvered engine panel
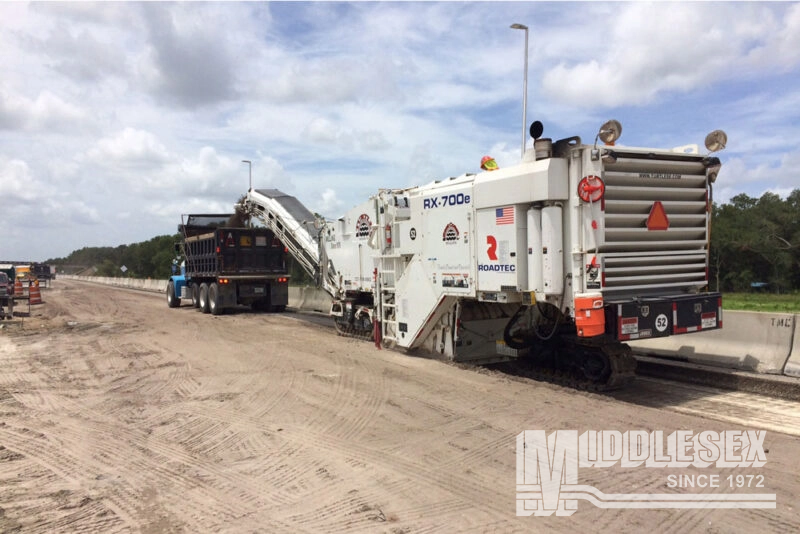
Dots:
{"x": 640, "y": 260}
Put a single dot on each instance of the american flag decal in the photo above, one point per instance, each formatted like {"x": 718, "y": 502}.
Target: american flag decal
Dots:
{"x": 504, "y": 215}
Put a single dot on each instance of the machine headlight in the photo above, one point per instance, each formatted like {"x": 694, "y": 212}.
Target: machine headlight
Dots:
{"x": 610, "y": 132}
{"x": 716, "y": 141}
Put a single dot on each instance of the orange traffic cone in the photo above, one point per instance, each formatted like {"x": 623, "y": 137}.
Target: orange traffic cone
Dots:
{"x": 34, "y": 295}
{"x": 18, "y": 287}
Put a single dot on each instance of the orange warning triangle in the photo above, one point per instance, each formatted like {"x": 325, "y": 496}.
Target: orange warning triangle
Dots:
{"x": 658, "y": 219}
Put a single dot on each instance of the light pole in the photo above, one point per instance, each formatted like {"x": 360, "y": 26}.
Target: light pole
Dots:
{"x": 516, "y": 26}
{"x": 250, "y": 166}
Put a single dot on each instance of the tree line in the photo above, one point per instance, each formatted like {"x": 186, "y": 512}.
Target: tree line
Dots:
{"x": 148, "y": 259}
{"x": 755, "y": 245}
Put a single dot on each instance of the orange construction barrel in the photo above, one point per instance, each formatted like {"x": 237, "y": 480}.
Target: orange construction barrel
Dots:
{"x": 34, "y": 294}
{"x": 590, "y": 318}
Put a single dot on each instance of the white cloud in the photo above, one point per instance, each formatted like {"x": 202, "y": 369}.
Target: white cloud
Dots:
{"x": 129, "y": 148}
{"x": 46, "y": 112}
{"x": 16, "y": 182}
{"x": 329, "y": 203}
{"x": 779, "y": 176}
{"x": 31, "y": 203}
{"x": 648, "y": 49}
{"x": 322, "y": 130}
{"x": 189, "y": 61}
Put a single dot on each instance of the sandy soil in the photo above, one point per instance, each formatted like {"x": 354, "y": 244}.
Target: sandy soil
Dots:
{"x": 118, "y": 414}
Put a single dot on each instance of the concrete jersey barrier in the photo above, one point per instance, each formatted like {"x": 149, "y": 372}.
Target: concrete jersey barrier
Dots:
{"x": 793, "y": 363}
{"x": 748, "y": 341}
{"x": 309, "y": 298}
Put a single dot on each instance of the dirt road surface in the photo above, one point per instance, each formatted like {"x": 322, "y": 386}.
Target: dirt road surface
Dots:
{"x": 118, "y": 414}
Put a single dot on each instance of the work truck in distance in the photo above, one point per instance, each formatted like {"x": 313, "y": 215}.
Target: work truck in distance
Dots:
{"x": 220, "y": 266}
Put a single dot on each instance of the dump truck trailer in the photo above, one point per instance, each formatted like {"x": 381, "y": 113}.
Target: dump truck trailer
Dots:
{"x": 219, "y": 267}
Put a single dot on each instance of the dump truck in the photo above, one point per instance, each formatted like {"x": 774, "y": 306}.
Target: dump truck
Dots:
{"x": 557, "y": 260}
{"x": 43, "y": 272}
{"x": 219, "y": 266}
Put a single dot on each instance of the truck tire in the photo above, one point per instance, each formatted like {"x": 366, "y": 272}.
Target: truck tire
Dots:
{"x": 172, "y": 300}
{"x": 213, "y": 300}
{"x": 204, "y": 298}
{"x": 195, "y": 291}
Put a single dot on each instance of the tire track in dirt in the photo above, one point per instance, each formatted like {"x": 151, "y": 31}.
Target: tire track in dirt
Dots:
{"x": 415, "y": 474}
{"x": 293, "y": 481}
{"x": 145, "y": 467}
{"x": 429, "y": 512}
{"x": 366, "y": 397}
{"x": 45, "y": 503}
{"x": 60, "y": 461}
{"x": 218, "y": 493}
{"x": 238, "y": 423}
{"x": 178, "y": 373}
{"x": 359, "y": 393}
{"x": 88, "y": 515}
{"x": 138, "y": 446}
{"x": 342, "y": 389}
{"x": 327, "y": 391}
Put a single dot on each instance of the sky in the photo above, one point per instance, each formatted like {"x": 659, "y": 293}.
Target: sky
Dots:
{"x": 118, "y": 117}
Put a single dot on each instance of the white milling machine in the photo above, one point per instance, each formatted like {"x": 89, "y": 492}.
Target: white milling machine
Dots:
{"x": 557, "y": 260}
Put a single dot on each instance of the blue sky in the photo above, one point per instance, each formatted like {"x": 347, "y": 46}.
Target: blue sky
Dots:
{"x": 116, "y": 118}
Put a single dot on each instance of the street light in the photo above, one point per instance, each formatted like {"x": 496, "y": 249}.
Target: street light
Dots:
{"x": 250, "y": 166}
{"x": 516, "y": 26}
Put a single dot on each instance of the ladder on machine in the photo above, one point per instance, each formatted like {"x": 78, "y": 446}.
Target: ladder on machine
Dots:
{"x": 387, "y": 305}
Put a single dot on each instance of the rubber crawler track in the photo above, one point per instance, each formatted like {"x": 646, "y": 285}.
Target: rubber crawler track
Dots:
{"x": 352, "y": 332}
{"x": 623, "y": 371}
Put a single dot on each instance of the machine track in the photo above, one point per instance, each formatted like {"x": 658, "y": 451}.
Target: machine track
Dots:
{"x": 621, "y": 373}
{"x": 350, "y": 330}
{"x": 560, "y": 357}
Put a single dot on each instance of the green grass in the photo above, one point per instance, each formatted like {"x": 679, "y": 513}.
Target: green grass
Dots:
{"x": 762, "y": 302}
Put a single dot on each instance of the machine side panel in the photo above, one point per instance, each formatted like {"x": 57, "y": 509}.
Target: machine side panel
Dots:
{"x": 349, "y": 243}
{"x": 502, "y": 248}
{"x": 446, "y": 241}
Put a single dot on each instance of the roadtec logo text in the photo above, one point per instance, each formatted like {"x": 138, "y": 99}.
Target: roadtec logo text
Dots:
{"x": 501, "y": 268}
{"x": 547, "y": 468}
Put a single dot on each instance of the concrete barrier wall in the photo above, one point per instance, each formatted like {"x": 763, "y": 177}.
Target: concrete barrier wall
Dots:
{"x": 147, "y": 284}
{"x": 309, "y": 298}
{"x": 793, "y": 363}
{"x": 749, "y": 341}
